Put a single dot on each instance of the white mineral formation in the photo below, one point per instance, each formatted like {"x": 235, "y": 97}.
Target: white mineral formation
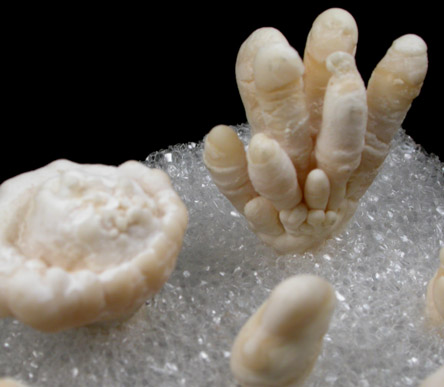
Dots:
{"x": 318, "y": 135}
{"x": 435, "y": 380}
{"x": 279, "y": 344}
{"x": 81, "y": 244}
{"x": 435, "y": 295}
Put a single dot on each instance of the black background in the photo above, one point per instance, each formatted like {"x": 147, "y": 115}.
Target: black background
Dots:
{"x": 113, "y": 83}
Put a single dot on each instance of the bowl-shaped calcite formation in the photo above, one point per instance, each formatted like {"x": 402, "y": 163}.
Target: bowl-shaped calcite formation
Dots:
{"x": 87, "y": 243}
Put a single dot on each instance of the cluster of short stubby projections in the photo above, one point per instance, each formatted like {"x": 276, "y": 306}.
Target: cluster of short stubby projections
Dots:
{"x": 81, "y": 244}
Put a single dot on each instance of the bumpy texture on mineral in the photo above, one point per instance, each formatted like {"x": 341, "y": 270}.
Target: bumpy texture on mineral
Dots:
{"x": 435, "y": 295}
{"x": 319, "y": 136}
{"x": 86, "y": 243}
{"x": 279, "y": 344}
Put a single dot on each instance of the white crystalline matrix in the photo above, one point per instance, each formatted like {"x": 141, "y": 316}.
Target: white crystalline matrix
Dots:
{"x": 86, "y": 243}
{"x": 319, "y": 135}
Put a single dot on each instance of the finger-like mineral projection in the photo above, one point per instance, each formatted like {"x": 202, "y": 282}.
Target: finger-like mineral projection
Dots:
{"x": 81, "y": 244}
{"x": 435, "y": 295}
{"x": 279, "y": 344}
{"x": 435, "y": 380}
{"x": 319, "y": 135}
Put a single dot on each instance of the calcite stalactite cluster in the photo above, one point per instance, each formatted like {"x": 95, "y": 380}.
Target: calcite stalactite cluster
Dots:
{"x": 318, "y": 134}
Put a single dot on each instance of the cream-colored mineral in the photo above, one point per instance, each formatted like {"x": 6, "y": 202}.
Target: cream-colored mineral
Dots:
{"x": 7, "y": 382}
{"x": 435, "y": 295}
{"x": 318, "y": 135}
{"x": 279, "y": 344}
{"x": 434, "y": 380}
{"x": 81, "y": 244}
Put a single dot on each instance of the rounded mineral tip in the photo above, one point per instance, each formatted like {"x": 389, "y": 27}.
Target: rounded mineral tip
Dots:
{"x": 279, "y": 344}
{"x": 81, "y": 244}
{"x": 224, "y": 156}
{"x": 272, "y": 173}
{"x": 223, "y": 147}
{"x": 333, "y": 30}
{"x": 277, "y": 65}
{"x": 410, "y": 54}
